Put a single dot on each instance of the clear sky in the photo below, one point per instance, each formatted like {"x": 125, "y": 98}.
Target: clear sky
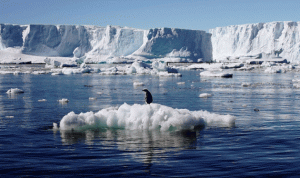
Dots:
{"x": 146, "y": 14}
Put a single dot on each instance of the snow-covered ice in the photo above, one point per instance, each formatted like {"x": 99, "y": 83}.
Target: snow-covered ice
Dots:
{"x": 42, "y": 100}
{"x": 205, "y": 95}
{"x": 14, "y": 91}
{"x": 144, "y": 117}
{"x": 138, "y": 84}
{"x": 215, "y": 74}
{"x": 63, "y": 100}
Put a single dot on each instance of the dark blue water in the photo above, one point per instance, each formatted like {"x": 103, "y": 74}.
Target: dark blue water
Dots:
{"x": 263, "y": 143}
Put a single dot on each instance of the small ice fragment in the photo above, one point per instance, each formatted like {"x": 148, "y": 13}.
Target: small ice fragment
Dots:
{"x": 42, "y": 100}
{"x": 205, "y": 95}
{"x": 64, "y": 100}
{"x": 55, "y": 126}
{"x": 138, "y": 84}
{"x": 99, "y": 93}
{"x": 246, "y": 84}
{"x": 180, "y": 83}
{"x": 92, "y": 98}
{"x": 9, "y": 117}
{"x": 14, "y": 91}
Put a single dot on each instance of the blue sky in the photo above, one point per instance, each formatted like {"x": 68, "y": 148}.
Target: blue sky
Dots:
{"x": 146, "y": 14}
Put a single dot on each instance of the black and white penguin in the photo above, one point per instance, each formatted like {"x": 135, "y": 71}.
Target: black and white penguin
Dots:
{"x": 148, "y": 97}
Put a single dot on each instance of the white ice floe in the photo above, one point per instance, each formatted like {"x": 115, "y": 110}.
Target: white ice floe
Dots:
{"x": 55, "y": 126}
{"x": 279, "y": 68}
{"x": 69, "y": 71}
{"x": 138, "y": 84}
{"x": 205, "y": 95}
{"x": 215, "y": 74}
{"x": 144, "y": 117}
{"x": 39, "y": 72}
{"x": 180, "y": 83}
{"x": 14, "y": 91}
{"x": 167, "y": 74}
{"x": 64, "y": 100}
{"x": 42, "y": 100}
{"x": 92, "y": 98}
{"x": 142, "y": 68}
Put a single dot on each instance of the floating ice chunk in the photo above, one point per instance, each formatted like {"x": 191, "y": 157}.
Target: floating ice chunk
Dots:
{"x": 57, "y": 73}
{"x": 144, "y": 117}
{"x": 246, "y": 68}
{"x": 180, "y": 83}
{"x": 167, "y": 74}
{"x": 138, "y": 84}
{"x": 14, "y": 91}
{"x": 274, "y": 70}
{"x": 39, "y": 72}
{"x": 50, "y": 63}
{"x": 17, "y": 72}
{"x": 232, "y": 65}
{"x": 64, "y": 100}
{"x": 55, "y": 126}
{"x": 99, "y": 93}
{"x": 246, "y": 84}
{"x": 42, "y": 100}
{"x": 159, "y": 66}
{"x": 139, "y": 67}
{"x": 92, "y": 98}
{"x": 205, "y": 95}
{"x": 215, "y": 74}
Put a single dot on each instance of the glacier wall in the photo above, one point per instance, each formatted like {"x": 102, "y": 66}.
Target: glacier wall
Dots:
{"x": 94, "y": 43}
{"x": 233, "y": 41}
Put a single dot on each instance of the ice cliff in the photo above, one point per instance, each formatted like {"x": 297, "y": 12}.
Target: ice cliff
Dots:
{"x": 260, "y": 40}
{"x": 111, "y": 43}
{"x": 119, "y": 44}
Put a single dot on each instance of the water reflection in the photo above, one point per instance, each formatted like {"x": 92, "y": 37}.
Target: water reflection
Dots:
{"x": 142, "y": 145}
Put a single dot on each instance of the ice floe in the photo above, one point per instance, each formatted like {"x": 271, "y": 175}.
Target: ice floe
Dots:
{"x": 205, "y": 95}
{"x": 144, "y": 117}
{"x": 14, "y": 91}
{"x": 63, "y": 100}
{"x": 215, "y": 74}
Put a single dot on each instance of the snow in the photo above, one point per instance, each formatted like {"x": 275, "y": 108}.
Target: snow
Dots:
{"x": 144, "y": 117}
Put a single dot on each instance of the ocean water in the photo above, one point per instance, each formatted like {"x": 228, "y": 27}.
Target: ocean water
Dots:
{"x": 262, "y": 143}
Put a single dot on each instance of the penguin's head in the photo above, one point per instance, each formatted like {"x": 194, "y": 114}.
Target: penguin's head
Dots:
{"x": 145, "y": 90}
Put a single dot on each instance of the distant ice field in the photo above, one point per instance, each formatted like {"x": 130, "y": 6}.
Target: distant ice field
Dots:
{"x": 264, "y": 140}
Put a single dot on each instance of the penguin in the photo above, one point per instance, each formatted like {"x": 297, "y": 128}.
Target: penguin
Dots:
{"x": 148, "y": 97}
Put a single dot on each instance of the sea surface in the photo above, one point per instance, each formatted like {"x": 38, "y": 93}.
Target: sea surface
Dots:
{"x": 265, "y": 141}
